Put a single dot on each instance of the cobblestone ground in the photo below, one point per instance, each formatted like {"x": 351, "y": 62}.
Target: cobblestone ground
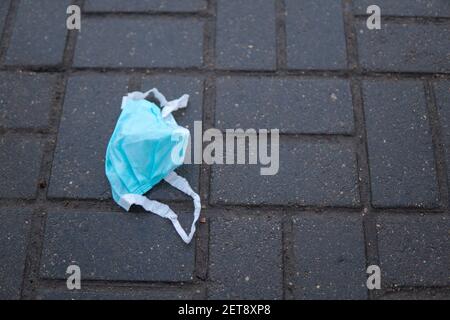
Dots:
{"x": 364, "y": 150}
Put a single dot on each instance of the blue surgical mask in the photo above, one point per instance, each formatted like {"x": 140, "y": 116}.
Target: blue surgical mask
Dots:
{"x": 147, "y": 145}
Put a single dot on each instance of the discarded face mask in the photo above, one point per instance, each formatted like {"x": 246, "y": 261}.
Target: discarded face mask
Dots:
{"x": 147, "y": 145}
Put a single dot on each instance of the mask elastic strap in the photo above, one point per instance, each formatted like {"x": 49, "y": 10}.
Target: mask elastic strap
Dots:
{"x": 163, "y": 210}
{"x": 182, "y": 184}
{"x": 168, "y": 106}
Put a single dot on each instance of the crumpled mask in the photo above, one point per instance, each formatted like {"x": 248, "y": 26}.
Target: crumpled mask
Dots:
{"x": 147, "y": 145}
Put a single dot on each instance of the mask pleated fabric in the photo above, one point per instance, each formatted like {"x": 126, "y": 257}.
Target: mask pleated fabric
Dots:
{"x": 147, "y": 145}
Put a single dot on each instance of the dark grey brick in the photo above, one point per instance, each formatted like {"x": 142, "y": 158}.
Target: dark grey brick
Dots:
{"x": 109, "y": 293}
{"x": 173, "y": 87}
{"x": 318, "y": 173}
{"x": 405, "y": 47}
{"x": 4, "y": 7}
{"x": 39, "y": 34}
{"x": 419, "y": 294}
{"x": 414, "y": 250}
{"x": 13, "y": 237}
{"x": 92, "y": 101}
{"x": 116, "y": 246}
{"x": 144, "y": 5}
{"x": 139, "y": 42}
{"x": 315, "y": 35}
{"x": 442, "y": 93}
{"x": 329, "y": 257}
{"x": 245, "y": 258}
{"x": 419, "y": 8}
{"x": 26, "y": 99}
{"x": 20, "y": 157}
{"x": 246, "y": 37}
{"x": 291, "y": 105}
{"x": 400, "y": 145}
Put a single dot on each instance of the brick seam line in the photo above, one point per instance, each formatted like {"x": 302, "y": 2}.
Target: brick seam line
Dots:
{"x": 287, "y": 267}
{"x": 406, "y": 19}
{"x": 290, "y": 210}
{"x": 209, "y": 97}
{"x": 108, "y": 205}
{"x": 202, "y": 71}
{"x": 31, "y": 276}
{"x": 439, "y": 152}
{"x": 203, "y": 238}
{"x": 368, "y": 220}
{"x": 145, "y": 14}
{"x": 121, "y": 287}
{"x": 281, "y": 40}
{"x": 122, "y": 284}
{"x": 206, "y": 13}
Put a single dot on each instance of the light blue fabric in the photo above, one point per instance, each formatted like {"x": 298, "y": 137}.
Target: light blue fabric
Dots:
{"x": 139, "y": 154}
{"x": 144, "y": 149}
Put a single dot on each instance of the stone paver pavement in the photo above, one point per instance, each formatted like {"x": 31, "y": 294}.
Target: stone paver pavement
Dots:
{"x": 364, "y": 149}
